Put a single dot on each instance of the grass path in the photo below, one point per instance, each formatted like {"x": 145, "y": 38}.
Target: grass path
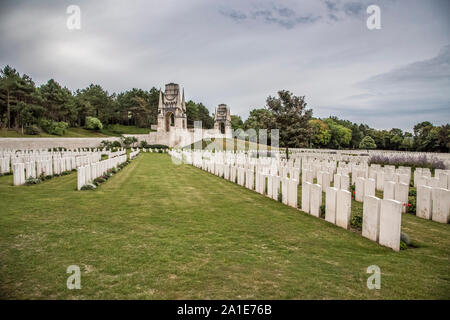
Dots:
{"x": 156, "y": 231}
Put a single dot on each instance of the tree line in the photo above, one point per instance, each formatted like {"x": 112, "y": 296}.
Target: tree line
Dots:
{"x": 299, "y": 129}
{"x": 52, "y": 107}
{"x": 24, "y": 105}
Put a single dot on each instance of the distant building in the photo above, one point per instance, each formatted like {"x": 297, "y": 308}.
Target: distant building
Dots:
{"x": 172, "y": 128}
{"x": 222, "y": 119}
{"x": 171, "y": 109}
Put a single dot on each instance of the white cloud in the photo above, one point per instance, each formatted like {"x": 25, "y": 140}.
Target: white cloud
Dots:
{"x": 239, "y": 52}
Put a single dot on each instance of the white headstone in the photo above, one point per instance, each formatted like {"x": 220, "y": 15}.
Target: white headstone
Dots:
{"x": 390, "y": 223}
{"x": 371, "y": 218}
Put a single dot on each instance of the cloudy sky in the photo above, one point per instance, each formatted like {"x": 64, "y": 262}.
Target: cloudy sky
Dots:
{"x": 239, "y": 52}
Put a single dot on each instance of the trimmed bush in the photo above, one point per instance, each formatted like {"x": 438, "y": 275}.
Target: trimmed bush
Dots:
{"x": 367, "y": 143}
{"x": 33, "y": 130}
{"x": 93, "y": 123}
{"x": 53, "y": 127}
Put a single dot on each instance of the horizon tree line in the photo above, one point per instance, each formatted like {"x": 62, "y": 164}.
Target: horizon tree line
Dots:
{"x": 23, "y": 105}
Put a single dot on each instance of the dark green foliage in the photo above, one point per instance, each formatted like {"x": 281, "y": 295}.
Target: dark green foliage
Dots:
{"x": 93, "y": 123}
{"x": 99, "y": 180}
{"x": 198, "y": 112}
{"x": 32, "y": 180}
{"x": 53, "y": 127}
{"x": 356, "y": 221}
{"x": 412, "y": 204}
{"x": 322, "y": 211}
{"x": 367, "y": 143}
{"x": 403, "y": 245}
{"x": 88, "y": 187}
{"x": 291, "y": 117}
{"x": 33, "y": 130}
{"x": 157, "y": 146}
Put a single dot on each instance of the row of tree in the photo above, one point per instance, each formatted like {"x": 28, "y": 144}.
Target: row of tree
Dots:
{"x": 298, "y": 128}
{"x": 22, "y": 104}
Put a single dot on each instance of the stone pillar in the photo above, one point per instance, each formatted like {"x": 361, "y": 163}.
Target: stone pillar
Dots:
{"x": 269, "y": 185}
{"x": 424, "y": 202}
{"x": 441, "y": 205}
{"x": 403, "y": 178}
{"x": 380, "y": 180}
{"x": 325, "y": 181}
{"x": 292, "y": 192}
{"x": 389, "y": 190}
{"x": 309, "y": 176}
{"x": 28, "y": 171}
{"x": 262, "y": 184}
{"x": 401, "y": 194}
{"x": 88, "y": 173}
{"x": 371, "y": 218}
{"x": 80, "y": 177}
{"x": 443, "y": 180}
{"x": 369, "y": 187}
{"x": 306, "y": 192}
{"x": 345, "y": 182}
{"x": 359, "y": 189}
{"x": 257, "y": 178}
{"x": 343, "y": 208}
{"x": 330, "y": 204}
{"x": 276, "y": 187}
{"x": 18, "y": 174}
{"x": 337, "y": 181}
{"x": 248, "y": 173}
{"x": 315, "y": 199}
{"x": 284, "y": 190}
{"x": 390, "y": 223}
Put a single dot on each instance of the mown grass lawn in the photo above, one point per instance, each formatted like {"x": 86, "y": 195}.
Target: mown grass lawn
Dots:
{"x": 160, "y": 231}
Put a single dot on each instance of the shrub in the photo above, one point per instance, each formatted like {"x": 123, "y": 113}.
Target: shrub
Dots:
{"x": 53, "y": 127}
{"x": 32, "y": 180}
{"x": 367, "y": 143}
{"x": 33, "y": 130}
{"x": 157, "y": 146}
{"x": 98, "y": 180}
{"x": 93, "y": 123}
{"x": 405, "y": 238}
{"x": 322, "y": 211}
{"x": 144, "y": 144}
{"x": 412, "y": 205}
{"x": 403, "y": 245}
{"x": 356, "y": 221}
{"x": 88, "y": 187}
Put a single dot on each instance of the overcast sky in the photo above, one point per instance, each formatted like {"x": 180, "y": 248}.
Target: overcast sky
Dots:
{"x": 239, "y": 52}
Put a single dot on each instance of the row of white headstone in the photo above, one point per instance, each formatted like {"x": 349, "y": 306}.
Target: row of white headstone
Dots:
{"x": 134, "y": 154}
{"x": 382, "y": 221}
{"x": 433, "y": 203}
{"x": 86, "y": 174}
{"x": 257, "y": 175}
{"x": 49, "y": 167}
{"x": 441, "y": 179}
